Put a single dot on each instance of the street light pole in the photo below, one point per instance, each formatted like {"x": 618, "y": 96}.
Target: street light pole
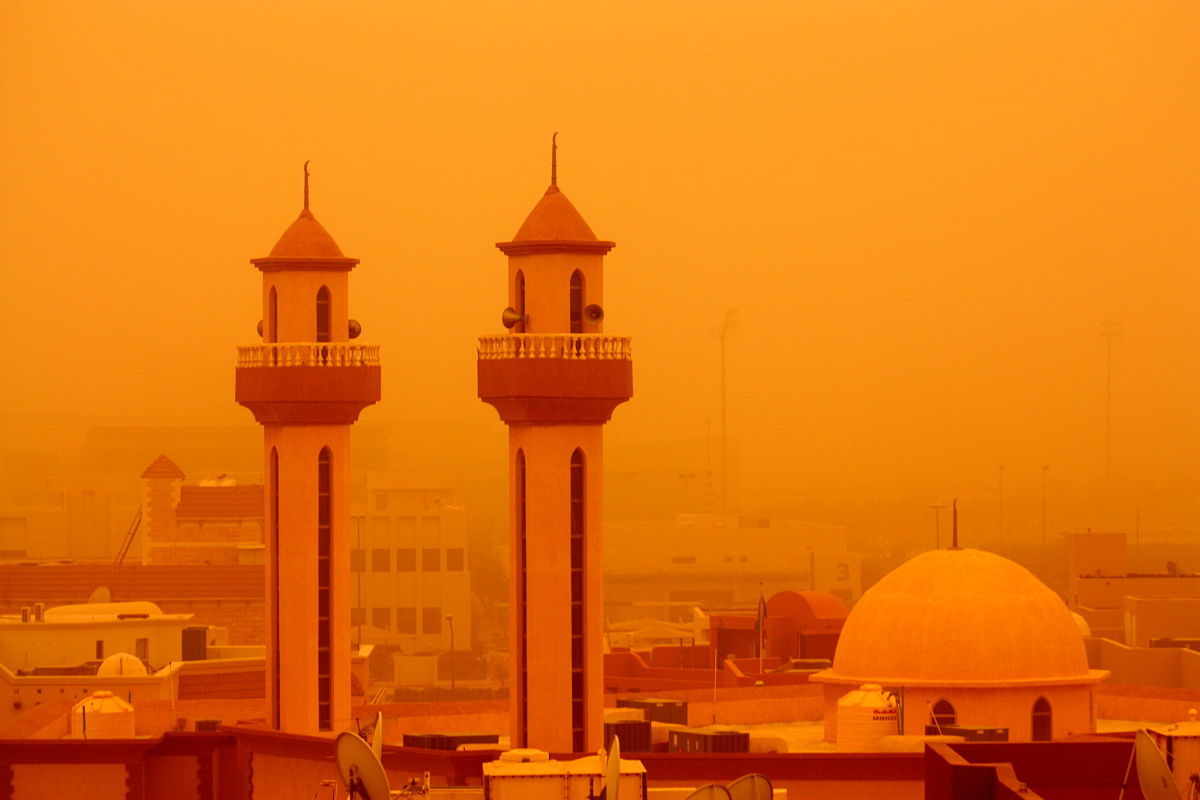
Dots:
{"x": 450, "y": 619}
{"x": 726, "y": 328}
{"x": 1045, "y": 467}
{"x": 937, "y": 523}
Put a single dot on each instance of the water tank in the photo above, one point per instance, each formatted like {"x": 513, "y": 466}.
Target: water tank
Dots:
{"x": 119, "y": 664}
{"x": 102, "y": 716}
{"x": 864, "y": 717}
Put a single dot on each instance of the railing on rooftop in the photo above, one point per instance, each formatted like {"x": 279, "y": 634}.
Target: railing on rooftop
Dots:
{"x": 554, "y": 345}
{"x": 309, "y": 354}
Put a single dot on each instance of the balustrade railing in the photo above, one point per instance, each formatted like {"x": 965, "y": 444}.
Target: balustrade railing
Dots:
{"x": 554, "y": 345}
{"x": 309, "y": 354}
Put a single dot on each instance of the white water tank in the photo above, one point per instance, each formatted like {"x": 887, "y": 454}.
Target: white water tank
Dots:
{"x": 102, "y": 716}
{"x": 864, "y": 717}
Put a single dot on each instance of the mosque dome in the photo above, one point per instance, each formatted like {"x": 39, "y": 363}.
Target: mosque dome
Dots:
{"x": 306, "y": 238}
{"x": 963, "y": 617}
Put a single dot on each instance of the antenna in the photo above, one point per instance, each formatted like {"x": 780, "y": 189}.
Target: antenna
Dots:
{"x": 360, "y": 769}
{"x": 306, "y": 186}
{"x": 955, "y": 546}
{"x": 554, "y": 159}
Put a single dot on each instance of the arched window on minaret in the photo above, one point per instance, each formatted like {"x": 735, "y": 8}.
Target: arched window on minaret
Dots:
{"x": 323, "y": 325}
{"x": 519, "y": 299}
{"x": 324, "y": 550}
{"x": 943, "y": 714}
{"x": 1043, "y": 721}
{"x": 578, "y": 615}
{"x": 274, "y": 580}
{"x": 576, "y": 302}
{"x": 273, "y": 316}
{"x": 522, "y": 634}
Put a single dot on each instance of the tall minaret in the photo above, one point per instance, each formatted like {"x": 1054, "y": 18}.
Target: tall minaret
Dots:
{"x": 555, "y": 378}
{"x": 306, "y": 384}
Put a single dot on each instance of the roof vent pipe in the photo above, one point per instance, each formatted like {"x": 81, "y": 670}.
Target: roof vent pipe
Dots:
{"x": 39, "y": 610}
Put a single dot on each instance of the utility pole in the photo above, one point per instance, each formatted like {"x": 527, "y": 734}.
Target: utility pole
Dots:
{"x": 937, "y": 524}
{"x": 731, "y": 318}
{"x": 1110, "y": 334}
{"x": 1000, "y": 507}
{"x": 1045, "y": 468}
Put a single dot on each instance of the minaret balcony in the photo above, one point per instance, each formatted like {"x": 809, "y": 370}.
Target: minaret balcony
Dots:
{"x": 559, "y": 378}
{"x": 308, "y": 382}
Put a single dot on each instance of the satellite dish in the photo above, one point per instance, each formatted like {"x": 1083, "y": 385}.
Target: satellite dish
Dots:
{"x": 1154, "y": 776}
{"x": 593, "y": 313}
{"x": 260, "y": 327}
{"x": 510, "y": 317}
{"x": 360, "y": 769}
{"x": 712, "y": 791}
{"x": 754, "y": 786}
{"x": 612, "y": 772}
{"x": 100, "y": 595}
{"x": 355, "y": 329}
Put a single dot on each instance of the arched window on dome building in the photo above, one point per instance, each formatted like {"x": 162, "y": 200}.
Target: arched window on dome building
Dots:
{"x": 943, "y": 714}
{"x": 1043, "y": 721}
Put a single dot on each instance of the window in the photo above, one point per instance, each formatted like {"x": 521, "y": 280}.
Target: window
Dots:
{"x": 519, "y": 301}
{"x": 406, "y": 559}
{"x": 576, "y": 302}
{"x": 323, "y": 325}
{"x": 1043, "y": 721}
{"x": 358, "y": 560}
{"x": 943, "y": 714}
{"x": 358, "y": 616}
{"x": 431, "y": 620}
{"x": 273, "y": 317}
{"x": 99, "y": 648}
{"x": 454, "y": 559}
{"x": 431, "y": 559}
{"x": 578, "y": 563}
{"x": 381, "y": 560}
{"x": 382, "y": 618}
{"x": 324, "y": 589}
{"x": 141, "y": 649}
{"x": 406, "y": 621}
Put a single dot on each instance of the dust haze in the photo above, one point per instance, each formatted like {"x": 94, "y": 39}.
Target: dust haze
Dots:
{"x": 921, "y": 214}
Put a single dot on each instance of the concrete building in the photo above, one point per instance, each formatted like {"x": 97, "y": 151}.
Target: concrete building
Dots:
{"x": 664, "y": 568}
{"x": 409, "y": 567}
{"x": 306, "y": 383}
{"x": 555, "y": 379}
{"x": 967, "y": 638}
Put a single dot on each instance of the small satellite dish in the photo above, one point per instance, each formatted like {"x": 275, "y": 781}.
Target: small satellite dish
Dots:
{"x": 377, "y": 737}
{"x": 260, "y": 327}
{"x": 355, "y": 329}
{"x": 593, "y": 313}
{"x": 1154, "y": 776}
{"x": 360, "y": 769}
{"x": 712, "y": 791}
{"x": 612, "y": 772}
{"x": 100, "y": 595}
{"x": 510, "y": 317}
{"x": 754, "y": 786}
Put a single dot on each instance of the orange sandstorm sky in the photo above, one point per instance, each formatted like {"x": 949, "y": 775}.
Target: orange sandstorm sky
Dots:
{"x": 922, "y": 211}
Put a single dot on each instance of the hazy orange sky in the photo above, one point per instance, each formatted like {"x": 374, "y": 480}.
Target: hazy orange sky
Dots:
{"x": 921, "y": 210}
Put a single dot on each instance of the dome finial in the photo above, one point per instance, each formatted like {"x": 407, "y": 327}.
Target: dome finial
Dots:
{"x": 954, "y": 545}
{"x": 554, "y": 159}
{"x": 306, "y": 186}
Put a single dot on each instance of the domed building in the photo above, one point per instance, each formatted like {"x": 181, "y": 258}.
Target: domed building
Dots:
{"x": 967, "y": 638}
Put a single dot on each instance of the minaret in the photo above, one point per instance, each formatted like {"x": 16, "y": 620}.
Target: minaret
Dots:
{"x": 555, "y": 378}
{"x": 306, "y": 384}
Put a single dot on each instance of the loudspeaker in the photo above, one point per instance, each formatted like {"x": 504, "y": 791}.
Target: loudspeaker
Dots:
{"x": 509, "y": 317}
{"x": 593, "y": 313}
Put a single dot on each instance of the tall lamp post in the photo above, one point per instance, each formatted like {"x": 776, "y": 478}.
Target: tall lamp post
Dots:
{"x": 731, "y": 318}
{"x": 450, "y": 619}
{"x": 1045, "y": 468}
{"x": 937, "y": 524}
